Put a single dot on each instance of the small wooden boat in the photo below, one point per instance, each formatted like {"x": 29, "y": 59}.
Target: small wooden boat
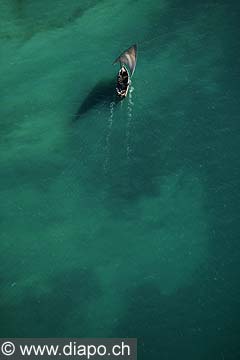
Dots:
{"x": 127, "y": 61}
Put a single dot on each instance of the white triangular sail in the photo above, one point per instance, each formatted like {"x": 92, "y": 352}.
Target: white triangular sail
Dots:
{"x": 129, "y": 58}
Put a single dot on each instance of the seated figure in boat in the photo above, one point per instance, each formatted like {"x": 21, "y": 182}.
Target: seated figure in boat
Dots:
{"x": 122, "y": 82}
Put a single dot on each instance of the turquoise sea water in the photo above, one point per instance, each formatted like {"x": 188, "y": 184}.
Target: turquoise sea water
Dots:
{"x": 121, "y": 219}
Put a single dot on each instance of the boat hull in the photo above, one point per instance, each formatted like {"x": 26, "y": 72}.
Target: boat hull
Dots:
{"x": 122, "y": 93}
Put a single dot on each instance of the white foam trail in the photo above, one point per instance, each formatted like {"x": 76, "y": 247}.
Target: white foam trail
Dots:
{"x": 108, "y": 135}
{"x": 129, "y": 121}
{"x": 130, "y": 95}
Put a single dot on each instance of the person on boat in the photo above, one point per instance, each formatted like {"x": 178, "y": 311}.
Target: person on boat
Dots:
{"x": 123, "y": 80}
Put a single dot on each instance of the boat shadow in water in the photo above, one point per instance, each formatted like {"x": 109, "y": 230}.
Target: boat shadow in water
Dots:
{"x": 102, "y": 93}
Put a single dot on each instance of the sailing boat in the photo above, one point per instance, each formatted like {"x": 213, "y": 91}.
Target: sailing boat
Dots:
{"x": 127, "y": 60}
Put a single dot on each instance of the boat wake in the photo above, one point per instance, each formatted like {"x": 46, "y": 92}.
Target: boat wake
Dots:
{"x": 108, "y": 136}
{"x": 129, "y": 129}
{"x": 129, "y": 122}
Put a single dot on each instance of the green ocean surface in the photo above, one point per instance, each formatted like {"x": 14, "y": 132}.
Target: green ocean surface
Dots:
{"x": 121, "y": 219}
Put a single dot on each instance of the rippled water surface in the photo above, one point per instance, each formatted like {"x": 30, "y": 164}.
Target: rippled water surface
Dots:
{"x": 120, "y": 219}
